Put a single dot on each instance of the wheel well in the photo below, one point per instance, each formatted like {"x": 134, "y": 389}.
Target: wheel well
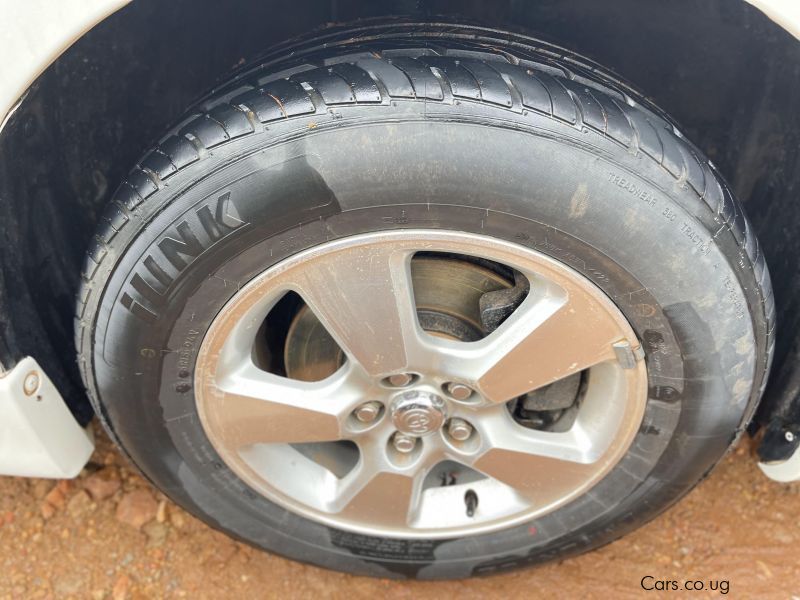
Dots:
{"x": 725, "y": 72}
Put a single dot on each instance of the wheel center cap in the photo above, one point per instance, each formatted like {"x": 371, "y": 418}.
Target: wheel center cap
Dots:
{"x": 418, "y": 413}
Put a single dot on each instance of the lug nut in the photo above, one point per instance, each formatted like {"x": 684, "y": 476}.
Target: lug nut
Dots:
{"x": 458, "y": 391}
{"x": 368, "y": 412}
{"x": 404, "y": 443}
{"x": 400, "y": 379}
{"x": 459, "y": 429}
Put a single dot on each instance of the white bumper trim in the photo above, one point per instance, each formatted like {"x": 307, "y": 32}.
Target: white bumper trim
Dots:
{"x": 39, "y": 437}
{"x": 784, "y": 471}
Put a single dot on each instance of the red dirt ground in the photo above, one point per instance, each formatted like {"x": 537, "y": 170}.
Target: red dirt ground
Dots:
{"x": 80, "y": 539}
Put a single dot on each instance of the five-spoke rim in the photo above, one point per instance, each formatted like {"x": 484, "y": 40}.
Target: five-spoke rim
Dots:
{"x": 275, "y": 432}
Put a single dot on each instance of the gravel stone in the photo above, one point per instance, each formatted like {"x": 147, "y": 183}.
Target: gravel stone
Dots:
{"x": 137, "y": 508}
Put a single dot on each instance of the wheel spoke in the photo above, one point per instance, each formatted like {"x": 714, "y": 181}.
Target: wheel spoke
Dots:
{"x": 550, "y": 336}
{"x": 252, "y": 406}
{"x": 539, "y": 465}
{"x": 535, "y": 477}
{"x": 381, "y": 496}
{"x": 364, "y": 297}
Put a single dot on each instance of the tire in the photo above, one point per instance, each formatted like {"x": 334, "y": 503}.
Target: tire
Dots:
{"x": 492, "y": 137}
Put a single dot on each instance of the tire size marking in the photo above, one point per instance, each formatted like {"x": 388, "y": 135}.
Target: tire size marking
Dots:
{"x": 384, "y": 548}
{"x": 738, "y": 305}
{"x": 187, "y": 349}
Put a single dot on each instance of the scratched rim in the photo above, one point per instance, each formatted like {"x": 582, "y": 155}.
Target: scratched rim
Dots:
{"x": 312, "y": 447}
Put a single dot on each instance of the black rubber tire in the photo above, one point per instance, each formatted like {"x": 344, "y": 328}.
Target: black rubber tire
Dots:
{"x": 479, "y": 132}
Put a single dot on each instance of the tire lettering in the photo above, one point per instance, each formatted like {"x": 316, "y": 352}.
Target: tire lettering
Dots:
{"x": 174, "y": 252}
{"x": 632, "y": 188}
{"x": 222, "y": 222}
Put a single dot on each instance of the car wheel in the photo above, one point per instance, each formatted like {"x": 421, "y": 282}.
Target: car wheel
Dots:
{"x": 433, "y": 311}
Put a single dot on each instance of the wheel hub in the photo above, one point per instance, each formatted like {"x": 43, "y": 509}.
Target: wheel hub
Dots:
{"x": 418, "y": 413}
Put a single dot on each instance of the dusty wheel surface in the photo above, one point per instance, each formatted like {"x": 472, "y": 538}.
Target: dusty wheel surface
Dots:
{"x": 431, "y": 310}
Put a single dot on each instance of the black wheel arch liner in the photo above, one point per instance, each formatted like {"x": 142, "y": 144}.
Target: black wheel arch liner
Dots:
{"x": 728, "y": 75}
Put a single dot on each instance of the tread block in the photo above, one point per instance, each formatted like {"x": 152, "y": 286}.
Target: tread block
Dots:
{"x": 592, "y": 112}
{"x": 617, "y": 125}
{"x": 493, "y": 87}
{"x": 362, "y": 85}
{"x": 180, "y": 151}
{"x": 712, "y": 195}
{"x": 726, "y": 209}
{"x": 534, "y": 95}
{"x": 207, "y": 131}
{"x": 750, "y": 242}
{"x": 646, "y": 135}
{"x": 115, "y": 217}
{"x": 232, "y": 119}
{"x": 397, "y": 84}
{"x": 739, "y": 226}
{"x": 563, "y": 105}
{"x": 159, "y": 163}
{"x": 672, "y": 160}
{"x": 265, "y": 107}
{"x": 89, "y": 267}
{"x": 291, "y": 97}
{"x": 84, "y": 293}
{"x": 461, "y": 81}
{"x": 127, "y": 196}
{"x": 424, "y": 82}
{"x": 332, "y": 88}
{"x": 694, "y": 173}
{"x": 142, "y": 183}
{"x": 97, "y": 250}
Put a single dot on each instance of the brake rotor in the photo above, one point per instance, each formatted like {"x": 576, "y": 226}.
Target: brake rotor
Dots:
{"x": 447, "y": 292}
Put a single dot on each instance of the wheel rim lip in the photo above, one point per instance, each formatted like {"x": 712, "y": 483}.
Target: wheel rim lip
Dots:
{"x": 257, "y": 292}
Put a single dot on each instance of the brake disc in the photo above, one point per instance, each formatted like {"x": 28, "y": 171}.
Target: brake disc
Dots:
{"x": 448, "y": 294}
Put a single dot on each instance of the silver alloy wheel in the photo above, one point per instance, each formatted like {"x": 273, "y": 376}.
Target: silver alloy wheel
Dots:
{"x": 360, "y": 289}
